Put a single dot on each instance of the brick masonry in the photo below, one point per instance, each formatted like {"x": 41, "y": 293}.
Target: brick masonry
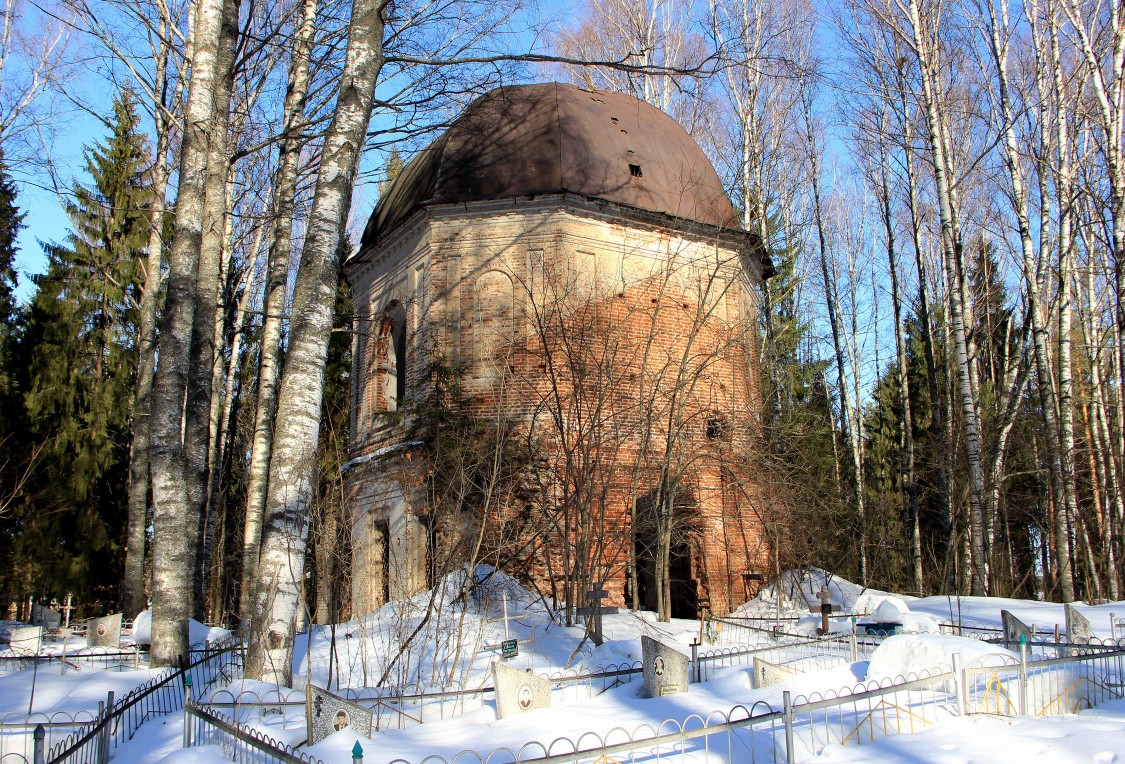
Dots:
{"x": 622, "y": 343}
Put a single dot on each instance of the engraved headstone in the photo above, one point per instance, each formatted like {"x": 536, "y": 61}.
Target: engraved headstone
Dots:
{"x": 52, "y": 619}
{"x": 665, "y": 669}
{"x": 1014, "y": 628}
{"x": 104, "y": 632}
{"x": 328, "y": 714}
{"x": 766, "y": 674}
{"x": 26, "y": 640}
{"x": 518, "y": 692}
{"x": 1077, "y": 625}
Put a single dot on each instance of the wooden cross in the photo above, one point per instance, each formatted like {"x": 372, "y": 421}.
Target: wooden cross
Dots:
{"x": 596, "y": 596}
{"x": 825, "y": 608}
{"x": 66, "y": 610}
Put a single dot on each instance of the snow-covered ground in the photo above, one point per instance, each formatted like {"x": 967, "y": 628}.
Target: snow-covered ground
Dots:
{"x": 453, "y": 648}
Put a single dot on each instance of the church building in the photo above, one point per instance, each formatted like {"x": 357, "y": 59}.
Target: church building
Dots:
{"x": 572, "y": 256}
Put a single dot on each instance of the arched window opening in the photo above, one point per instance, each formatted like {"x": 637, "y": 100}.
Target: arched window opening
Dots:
{"x": 390, "y": 359}
{"x": 495, "y": 316}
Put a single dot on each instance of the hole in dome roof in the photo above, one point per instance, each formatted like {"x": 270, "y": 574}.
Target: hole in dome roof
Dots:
{"x": 635, "y": 171}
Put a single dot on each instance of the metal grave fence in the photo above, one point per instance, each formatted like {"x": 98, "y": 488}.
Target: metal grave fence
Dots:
{"x": 116, "y": 722}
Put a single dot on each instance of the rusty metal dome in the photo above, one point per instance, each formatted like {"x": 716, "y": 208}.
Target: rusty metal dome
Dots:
{"x": 527, "y": 140}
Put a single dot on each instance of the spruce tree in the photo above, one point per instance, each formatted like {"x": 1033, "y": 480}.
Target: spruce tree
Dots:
{"x": 14, "y": 456}
{"x": 11, "y": 222}
{"x": 80, "y": 343}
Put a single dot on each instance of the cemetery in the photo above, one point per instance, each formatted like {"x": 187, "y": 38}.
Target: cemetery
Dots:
{"x": 761, "y": 681}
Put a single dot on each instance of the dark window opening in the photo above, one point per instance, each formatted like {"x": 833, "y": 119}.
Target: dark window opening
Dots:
{"x": 390, "y": 358}
{"x": 635, "y": 171}
{"x": 718, "y": 428}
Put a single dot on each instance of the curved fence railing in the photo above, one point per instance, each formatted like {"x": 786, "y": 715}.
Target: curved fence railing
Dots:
{"x": 117, "y": 722}
{"x": 805, "y": 724}
{"x": 395, "y": 709}
{"x": 204, "y": 726}
{"x": 77, "y": 657}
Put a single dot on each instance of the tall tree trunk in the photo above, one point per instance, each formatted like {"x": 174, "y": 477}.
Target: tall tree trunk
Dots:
{"x": 293, "y": 464}
{"x": 906, "y": 441}
{"x": 924, "y": 48}
{"x": 177, "y": 509}
{"x": 209, "y": 296}
{"x": 218, "y": 397}
{"x": 847, "y": 411}
{"x": 1102, "y": 441}
{"x": 1106, "y": 82}
{"x": 133, "y": 598}
{"x": 938, "y": 420}
{"x": 1049, "y": 403}
{"x": 277, "y": 272}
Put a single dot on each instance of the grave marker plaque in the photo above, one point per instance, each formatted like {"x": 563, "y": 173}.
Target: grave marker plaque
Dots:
{"x": 509, "y": 648}
{"x": 1014, "y": 628}
{"x": 328, "y": 713}
{"x": 665, "y": 669}
{"x": 26, "y": 640}
{"x": 766, "y": 674}
{"x": 518, "y": 692}
{"x": 1077, "y": 626}
{"x": 104, "y": 632}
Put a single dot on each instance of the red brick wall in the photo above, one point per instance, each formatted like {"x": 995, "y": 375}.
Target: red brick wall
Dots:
{"x": 615, "y": 387}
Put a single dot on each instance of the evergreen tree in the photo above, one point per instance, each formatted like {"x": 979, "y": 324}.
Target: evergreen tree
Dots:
{"x": 11, "y": 222}
{"x": 80, "y": 349}
{"x": 15, "y": 458}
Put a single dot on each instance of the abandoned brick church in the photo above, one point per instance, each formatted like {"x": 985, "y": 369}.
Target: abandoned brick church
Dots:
{"x": 574, "y": 256}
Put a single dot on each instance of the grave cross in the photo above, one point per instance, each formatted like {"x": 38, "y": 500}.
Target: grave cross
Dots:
{"x": 825, "y": 608}
{"x": 66, "y": 610}
{"x": 505, "y": 598}
{"x": 596, "y": 596}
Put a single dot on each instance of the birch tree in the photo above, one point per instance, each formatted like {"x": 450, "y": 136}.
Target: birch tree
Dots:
{"x": 292, "y": 466}
{"x": 177, "y": 495}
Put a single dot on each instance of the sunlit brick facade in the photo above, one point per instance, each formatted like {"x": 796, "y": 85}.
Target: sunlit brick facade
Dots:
{"x": 614, "y": 330}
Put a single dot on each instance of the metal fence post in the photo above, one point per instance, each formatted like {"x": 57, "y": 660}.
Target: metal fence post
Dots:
{"x": 695, "y": 661}
{"x": 39, "y": 756}
{"x": 357, "y": 753}
{"x": 959, "y": 684}
{"x": 787, "y": 712}
{"x": 1023, "y": 674}
{"x": 187, "y": 710}
{"x": 107, "y": 729}
{"x": 854, "y": 643}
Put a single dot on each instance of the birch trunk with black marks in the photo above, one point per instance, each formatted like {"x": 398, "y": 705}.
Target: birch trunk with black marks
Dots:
{"x": 208, "y": 297}
{"x": 277, "y": 273}
{"x": 1050, "y": 402}
{"x": 217, "y": 403}
{"x": 133, "y": 598}
{"x": 292, "y": 472}
{"x": 177, "y": 516}
{"x": 1101, "y": 439}
{"x": 164, "y": 90}
{"x": 848, "y": 415}
{"x": 906, "y": 440}
{"x": 925, "y": 45}
{"x": 925, "y": 321}
{"x": 1106, "y": 82}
